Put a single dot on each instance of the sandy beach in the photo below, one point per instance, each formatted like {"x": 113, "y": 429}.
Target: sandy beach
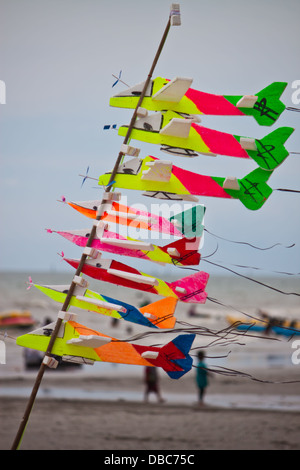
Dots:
{"x": 239, "y": 414}
{"x": 102, "y": 407}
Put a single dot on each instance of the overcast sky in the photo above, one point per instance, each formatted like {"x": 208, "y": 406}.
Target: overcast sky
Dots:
{"x": 57, "y": 58}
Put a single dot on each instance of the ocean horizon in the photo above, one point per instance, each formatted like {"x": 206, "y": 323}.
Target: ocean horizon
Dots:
{"x": 251, "y": 292}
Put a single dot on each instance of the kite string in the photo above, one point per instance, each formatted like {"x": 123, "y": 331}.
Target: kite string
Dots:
{"x": 245, "y": 266}
{"x": 218, "y": 302}
{"x": 253, "y": 280}
{"x": 229, "y": 333}
{"x": 256, "y": 268}
{"x": 291, "y": 108}
{"x": 287, "y": 190}
{"x": 232, "y": 372}
{"x": 260, "y": 319}
{"x": 220, "y": 340}
{"x": 247, "y": 243}
{"x": 241, "y": 275}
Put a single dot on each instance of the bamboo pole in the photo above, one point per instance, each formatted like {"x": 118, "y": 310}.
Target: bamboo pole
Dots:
{"x": 39, "y": 377}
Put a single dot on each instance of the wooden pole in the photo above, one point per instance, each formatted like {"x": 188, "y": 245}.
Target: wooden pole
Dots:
{"x": 38, "y": 380}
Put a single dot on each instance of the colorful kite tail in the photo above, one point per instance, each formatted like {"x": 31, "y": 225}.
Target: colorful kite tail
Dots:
{"x": 270, "y": 151}
{"x": 177, "y": 352}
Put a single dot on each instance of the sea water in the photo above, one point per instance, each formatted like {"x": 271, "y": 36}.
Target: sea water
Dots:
{"x": 250, "y": 293}
{"x": 227, "y": 295}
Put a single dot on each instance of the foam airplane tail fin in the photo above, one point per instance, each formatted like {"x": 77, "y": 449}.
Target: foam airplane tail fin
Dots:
{"x": 177, "y": 353}
{"x": 190, "y": 221}
{"x": 265, "y": 106}
{"x": 268, "y": 106}
{"x": 161, "y": 313}
{"x": 184, "y": 251}
{"x": 269, "y": 152}
{"x": 254, "y": 190}
{"x": 191, "y": 288}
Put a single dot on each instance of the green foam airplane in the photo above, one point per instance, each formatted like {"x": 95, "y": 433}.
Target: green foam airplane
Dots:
{"x": 163, "y": 180}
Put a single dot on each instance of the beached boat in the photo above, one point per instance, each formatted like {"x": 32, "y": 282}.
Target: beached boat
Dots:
{"x": 266, "y": 325}
{"x": 16, "y": 318}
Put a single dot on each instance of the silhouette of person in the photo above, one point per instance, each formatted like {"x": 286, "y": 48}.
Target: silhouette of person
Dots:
{"x": 201, "y": 377}
{"x": 152, "y": 383}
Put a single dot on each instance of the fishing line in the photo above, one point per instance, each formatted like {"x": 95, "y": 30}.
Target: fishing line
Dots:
{"x": 220, "y": 341}
{"x": 291, "y": 108}
{"x": 249, "y": 244}
{"x": 218, "y": 335}
{"x": 253, "y": 280}
{"x": 203, "y": 258}
{"x": 218, "y": 302}
{"x": 239, "y": 323}
{"x": 232, "y": 372}
{"x": 213, "y": 253}
{"x": 262, "y": 269}
{"x": 224, "y": 356}
{"x": 287, "y": 190}
{"x": 227, "y": 330}
{"x": 259, "y": 269}
{"x": 241, "y": 275}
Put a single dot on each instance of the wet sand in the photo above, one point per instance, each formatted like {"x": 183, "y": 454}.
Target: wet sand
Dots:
{"x": 102, "y": 407}
{"x": 66, "y": 423}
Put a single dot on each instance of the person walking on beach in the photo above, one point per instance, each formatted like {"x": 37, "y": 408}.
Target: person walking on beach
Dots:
{"x": 152, "y": 383}
{"x": 201, "y": 377}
